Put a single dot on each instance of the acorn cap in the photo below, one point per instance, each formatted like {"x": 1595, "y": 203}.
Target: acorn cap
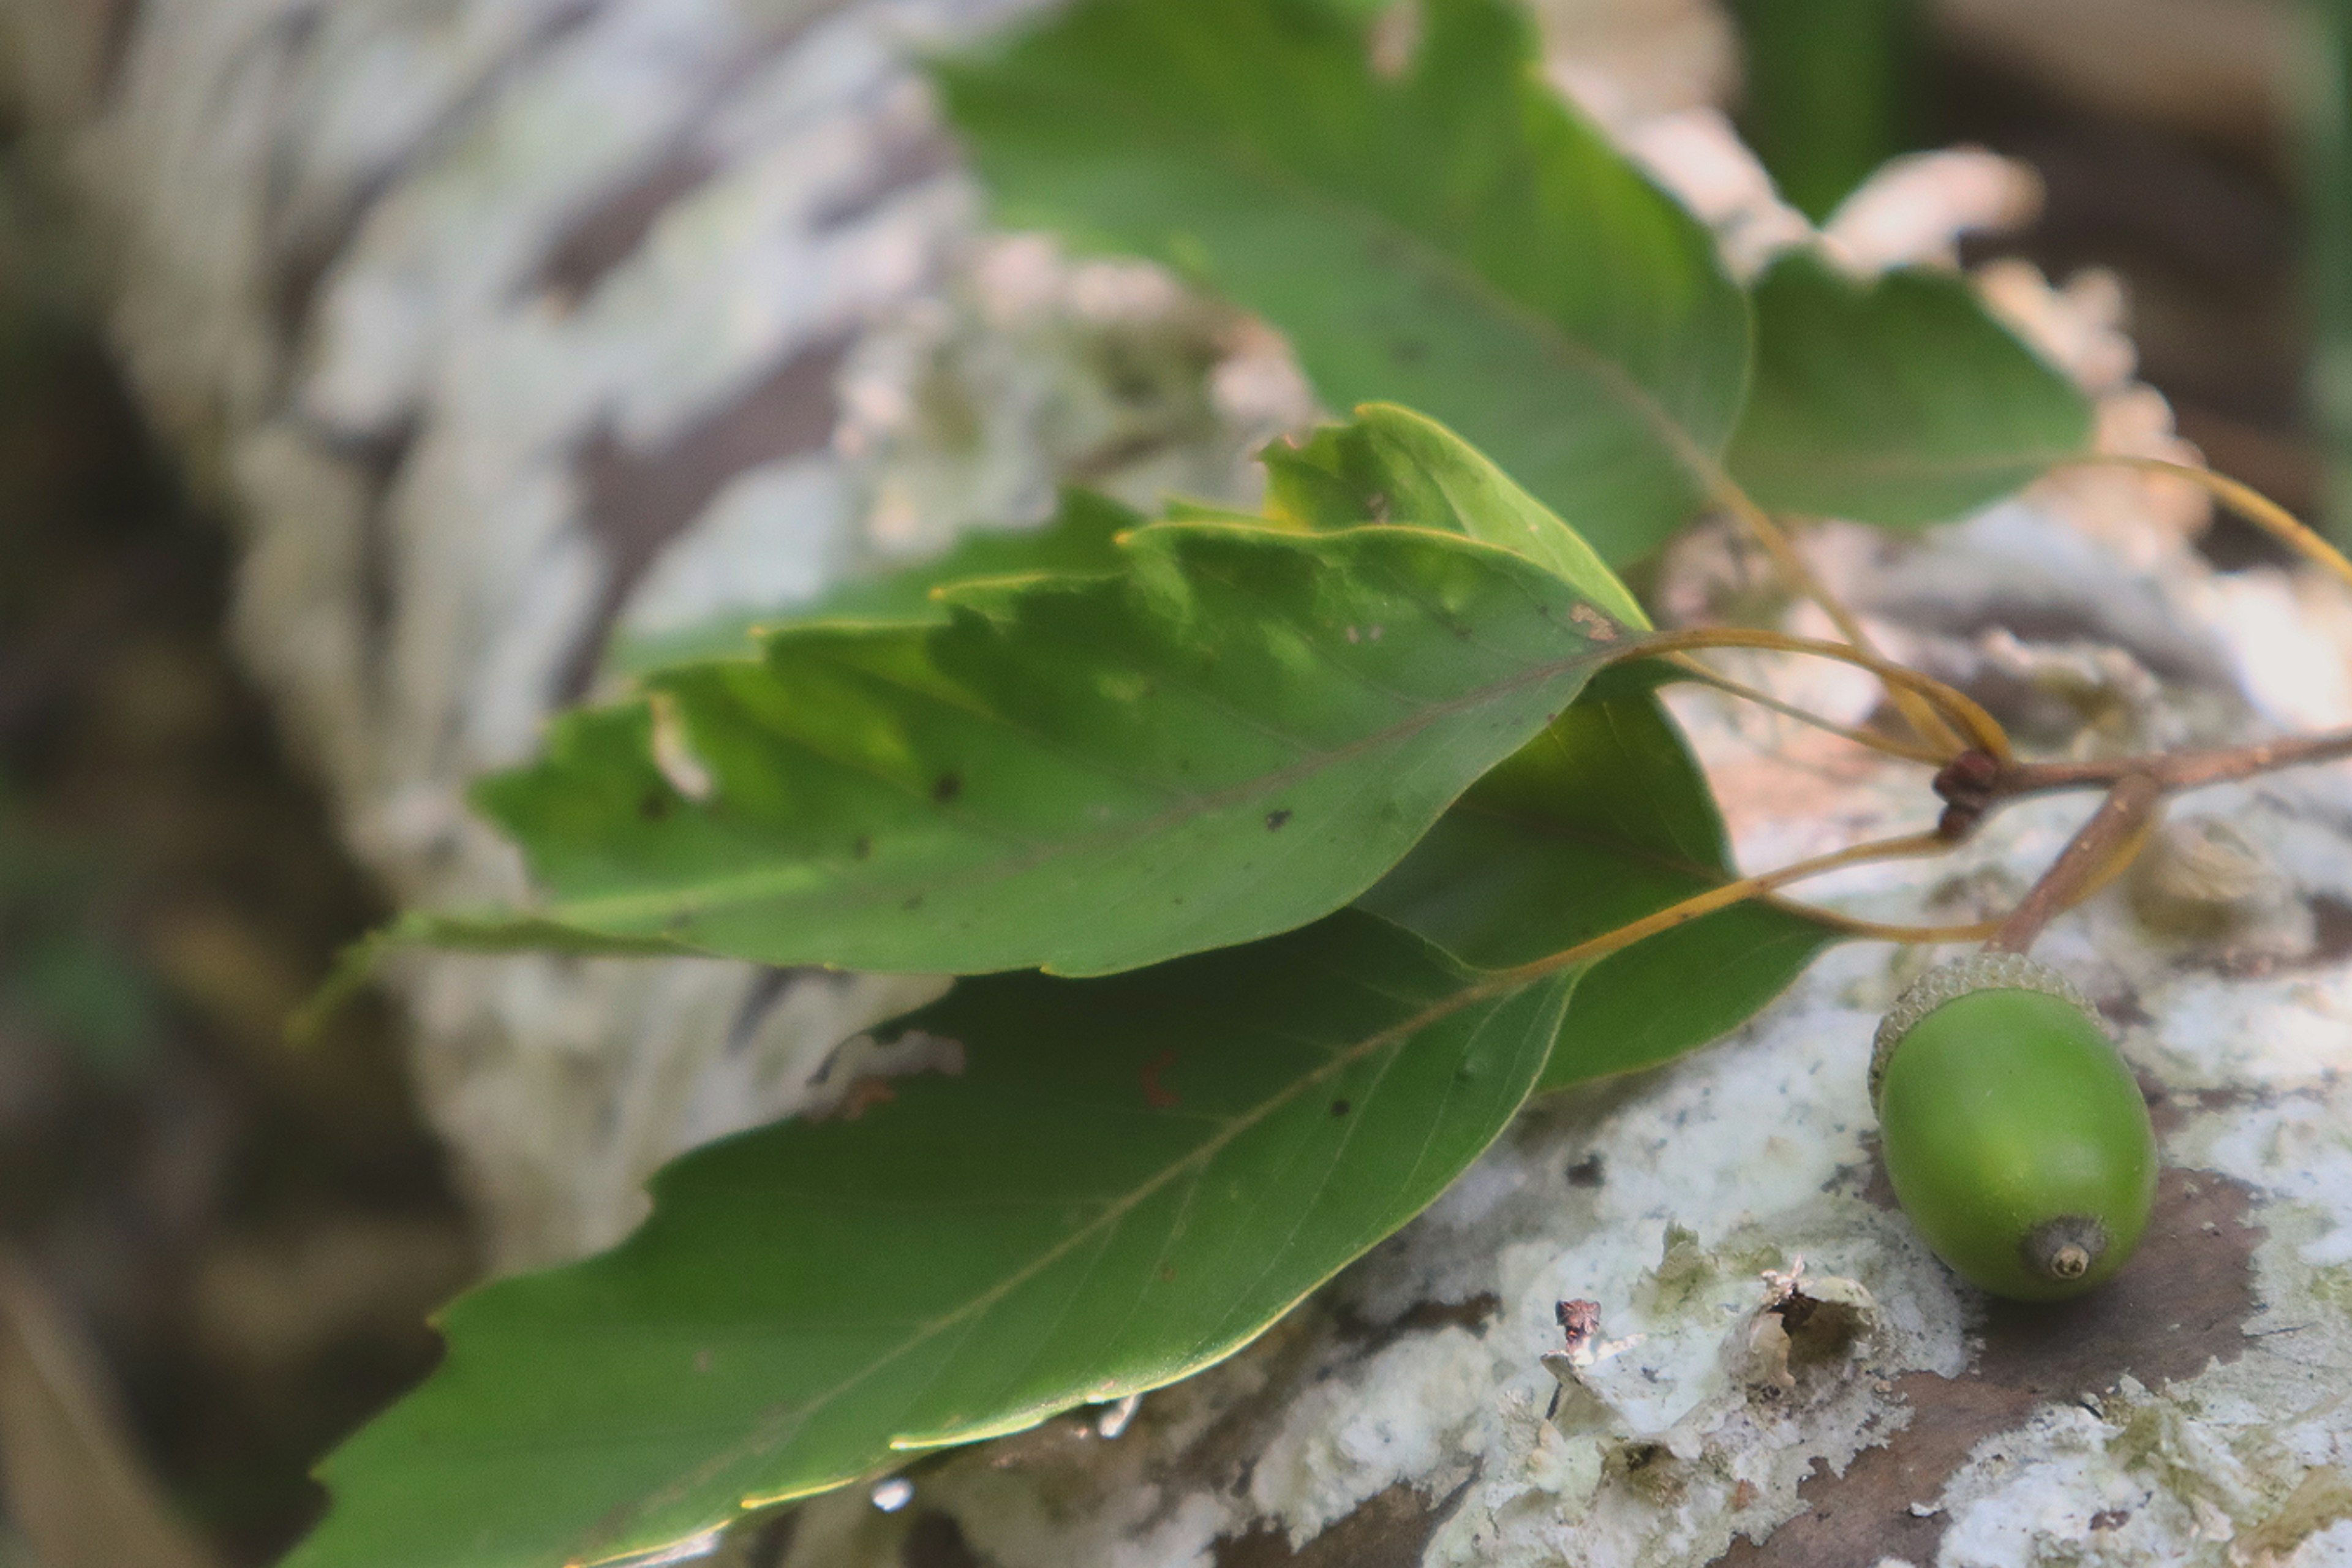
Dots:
{"x": 1949, "y": 981}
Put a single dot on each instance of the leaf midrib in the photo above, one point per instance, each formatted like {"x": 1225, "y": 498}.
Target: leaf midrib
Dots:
{"x": 1277, "y": 184}
{"x": 752, "y": 887}
{"x": 779, "y": 1430}
{"x": 1893, "y": 466}
{"x": 1568, "y": 349}
{"x": 1549, "y": 828}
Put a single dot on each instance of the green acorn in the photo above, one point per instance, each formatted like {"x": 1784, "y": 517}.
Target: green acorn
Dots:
{"x": 2015, "y": 1136}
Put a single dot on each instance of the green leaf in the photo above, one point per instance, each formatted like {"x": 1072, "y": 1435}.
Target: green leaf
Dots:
{"x": 1682, "y": 989}
{"x": 1394, "y": 466}
{"x": 1602, "y": 819}
{"x": 1390, "y": 465}
{"x": 1078, "y": 538}
{"x": 1900, "y": 402}
{"x": 1233, "y": 737}
{"x": 1829, "y": 91}
{"x": 1457, "y": 238}
{"x": 1127, "y": 1179}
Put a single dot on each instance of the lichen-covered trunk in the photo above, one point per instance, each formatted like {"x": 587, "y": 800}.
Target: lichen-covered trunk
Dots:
{"x": 522, "y": 337}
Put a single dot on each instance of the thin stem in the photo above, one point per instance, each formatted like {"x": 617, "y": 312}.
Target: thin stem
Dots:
{"x": 2176, "y": 769}
{"x": 1714, "y": 899}
{"x": 1790, "y": 563}
{"x": 2095, "y": 856}
{"x": 1884, "y": 931}
{"x": 2242, "y": 499}
{"x": 1977, "y": 728}
{"x": 1887, "y": 744}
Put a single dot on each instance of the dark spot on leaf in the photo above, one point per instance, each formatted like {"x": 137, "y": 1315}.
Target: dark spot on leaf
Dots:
{"x": 862, "y": 848}
{"x": 654, "y": 805}
{"x": 1274, "y": 820}
{"x": 1159, "y": 1096}
{"x": 1586, "y": 1173}
{"x": 1167, "y": 1274}
{"x": 914, "y": 902}
{"x": 1340, "y": 1108}
{"x": 947, "y": 789}
{"x": 1409, "y": 350}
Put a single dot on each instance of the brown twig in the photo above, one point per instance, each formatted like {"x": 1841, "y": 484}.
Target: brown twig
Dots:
{"x": 2175, "y": 770}
{"x": 1979, "y": 772}
{"x": 2097, "y": 853}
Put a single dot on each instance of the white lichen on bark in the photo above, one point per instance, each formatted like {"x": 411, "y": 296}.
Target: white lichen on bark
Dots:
{"x": 391, "y": 271}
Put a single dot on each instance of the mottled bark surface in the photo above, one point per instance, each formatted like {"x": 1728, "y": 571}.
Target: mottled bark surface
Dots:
{"x": 519, "y": 333}
{"x": 512, "y": 331}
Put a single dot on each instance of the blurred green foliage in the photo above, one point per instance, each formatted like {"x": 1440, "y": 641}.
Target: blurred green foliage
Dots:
{"x": 65, "y": 969}
{"x": 168, "y": 889}
{"x": 1830, "y": 92}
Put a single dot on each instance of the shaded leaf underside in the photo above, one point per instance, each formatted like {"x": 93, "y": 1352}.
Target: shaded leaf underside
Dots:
{"x": 1457, "y": 238}
{"x": 1899, "y": 401}
{"x": 1126, "y": 1180}
{"x": 1600, "y": 820}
